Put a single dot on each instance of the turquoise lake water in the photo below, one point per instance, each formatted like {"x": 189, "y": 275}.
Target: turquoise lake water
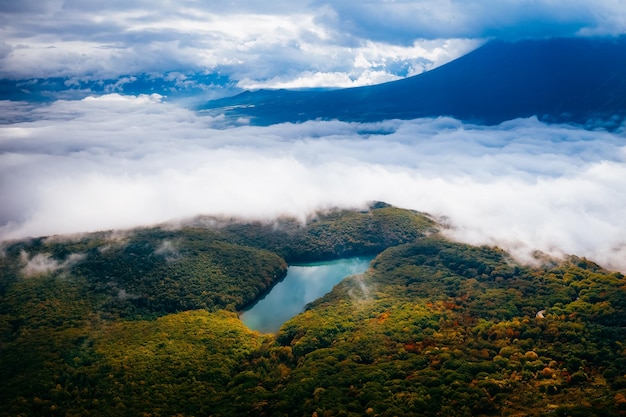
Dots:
{"x": 303, "y": 284}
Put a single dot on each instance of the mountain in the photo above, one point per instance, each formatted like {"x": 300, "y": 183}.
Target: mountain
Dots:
{"x": 143, "y": 323}
{"x": 558, "y": 80}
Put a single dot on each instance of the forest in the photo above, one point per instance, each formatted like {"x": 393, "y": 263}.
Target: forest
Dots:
{"x": 144, "y": 323}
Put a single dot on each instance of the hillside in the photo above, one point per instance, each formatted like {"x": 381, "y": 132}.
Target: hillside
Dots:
{"x": 557, "y": 80}
{"x": 143, "y": 323}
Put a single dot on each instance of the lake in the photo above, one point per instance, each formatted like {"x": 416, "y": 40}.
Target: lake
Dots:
{"x": 303, "y": 284}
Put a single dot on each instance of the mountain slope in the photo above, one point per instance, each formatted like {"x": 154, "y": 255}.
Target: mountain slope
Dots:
{"x": 561, "y": 80}
{"x": 142, "y": 322}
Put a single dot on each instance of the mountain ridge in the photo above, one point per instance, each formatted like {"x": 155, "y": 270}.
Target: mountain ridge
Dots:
{"x": 570, "y": 80}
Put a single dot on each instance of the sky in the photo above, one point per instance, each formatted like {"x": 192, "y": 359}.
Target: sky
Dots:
{"x": 111, "y": 161}
{"x": 332, "y": 43}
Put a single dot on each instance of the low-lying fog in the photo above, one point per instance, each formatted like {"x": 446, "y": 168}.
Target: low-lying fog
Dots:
{"x": 123, "y": 161}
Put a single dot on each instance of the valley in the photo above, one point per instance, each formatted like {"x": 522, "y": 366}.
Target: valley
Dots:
{"x": 145, "y": 322}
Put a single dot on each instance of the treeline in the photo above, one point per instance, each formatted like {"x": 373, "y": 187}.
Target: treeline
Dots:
{"x": 331, "y": 234}
{"x": 209, "y": 263}
{"x": 144, "y": 324}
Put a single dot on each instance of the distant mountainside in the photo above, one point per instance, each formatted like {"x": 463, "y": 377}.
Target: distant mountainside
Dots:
{"x": 557, "y": 80}
{"x": 171, "y": 84}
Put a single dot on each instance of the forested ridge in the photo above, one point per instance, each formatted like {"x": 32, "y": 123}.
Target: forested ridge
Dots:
{"x": 144, "y": 323}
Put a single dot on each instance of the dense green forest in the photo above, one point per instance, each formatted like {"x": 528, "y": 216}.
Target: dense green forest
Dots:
{"x": 144, "y": 323}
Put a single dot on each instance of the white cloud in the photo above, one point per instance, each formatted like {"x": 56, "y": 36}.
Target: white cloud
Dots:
{"x": 321, "y": 79}
{"x": 372, "y": 63}
{"x": 43, "y": 263}
{"x": 119, "y": 161}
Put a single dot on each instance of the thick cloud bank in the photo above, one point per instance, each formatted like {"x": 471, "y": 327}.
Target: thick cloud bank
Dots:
{"x": 122, "y": 161}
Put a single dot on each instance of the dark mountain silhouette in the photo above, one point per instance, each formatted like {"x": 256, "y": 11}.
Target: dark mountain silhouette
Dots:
{"x": 558, "y": 80}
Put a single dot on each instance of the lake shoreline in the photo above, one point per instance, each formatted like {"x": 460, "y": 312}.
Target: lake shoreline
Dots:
{"x": 264, "y": 292}
{"x": 308, "y": 282}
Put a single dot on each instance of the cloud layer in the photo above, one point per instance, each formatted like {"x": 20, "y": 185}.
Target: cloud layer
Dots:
{"x": 122, "y": 161}
{"x": 279, "y": 43}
